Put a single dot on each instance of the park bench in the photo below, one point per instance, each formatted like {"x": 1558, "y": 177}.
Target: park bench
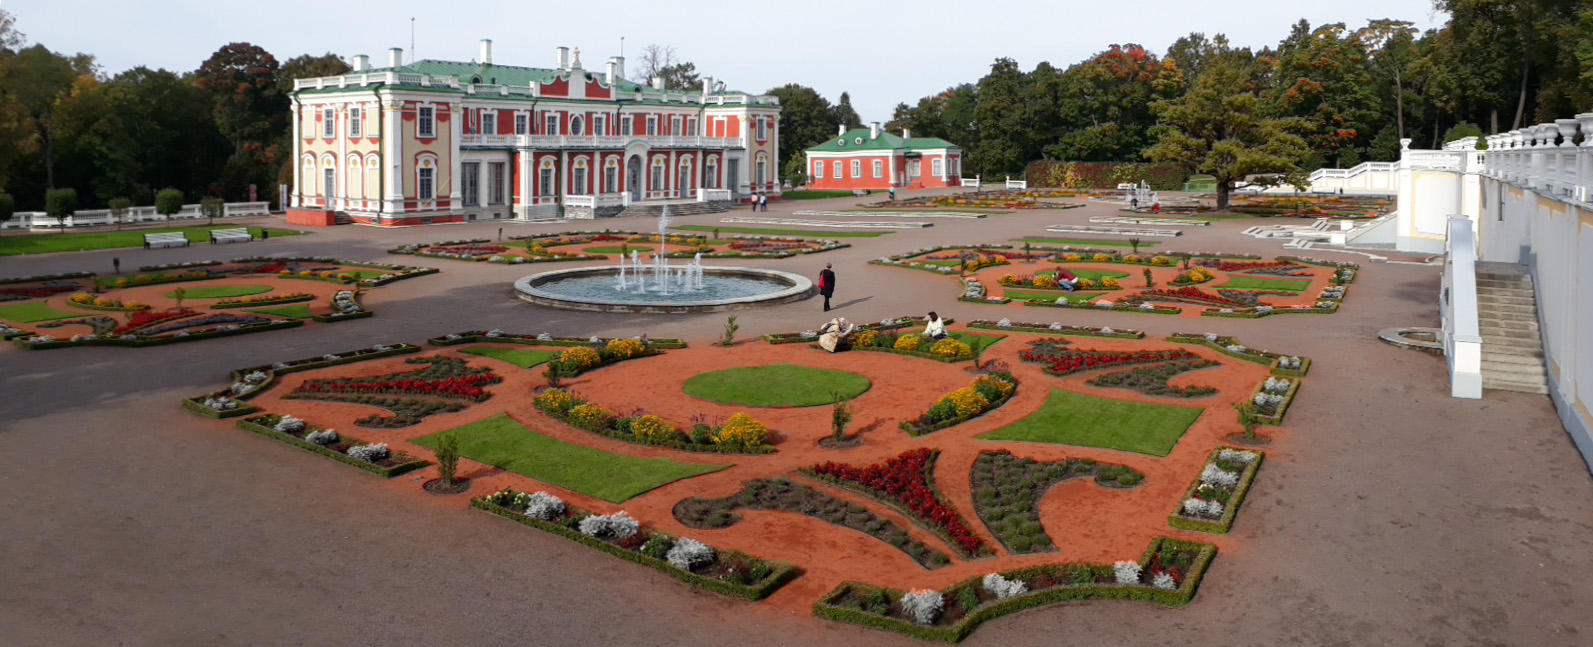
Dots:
{"x": 239, "y": 235}
{"x": 858, "y": 193}
{"x": 152, "y": 241}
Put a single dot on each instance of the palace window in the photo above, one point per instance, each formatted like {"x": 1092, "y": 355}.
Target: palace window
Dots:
{"x": 674, "y": 125}
{"x": 626, "y": 128}
{"x": 426, "y": 186}
{"x": 495, "y": 182}
{"x": 600, "y": 125}
{"x": 329, "y": 123}
{"x": 470, "y": 184}
{"x": 683, "y": 176}
{"x": 575, "y": 126}
{"x": 552, "y": 123}
{"x": 818, "y": 170}
{"x": 879, "y": 169}
{"x": 611, "y": 177}
{"x": 426, "y": 122}
{"x": 936, "y": 167}
{"x": 658, "y": 174}
{"x": 489, "y": 122}
{"x": 652, "y": 125}
{"x": 837, "y": 168}
{"x": 710, "y": 173}
{"x": 522, "y": 124}
{"x": 691, "y": 126}
{"x": 545, "y": 185}
{"x": 857, "y": 169}
{"x": 356, "y": 128}
{"x": 763, "y": 129}
{"x": 578, "y": 178}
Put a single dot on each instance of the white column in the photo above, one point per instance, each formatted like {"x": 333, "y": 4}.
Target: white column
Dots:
{"x": 393, "y": 158}
{"x": 1584, "y": 162}
{"x": 341, "y": 120}
{"x": 454, "y": 132}
{"x": 523, "y": 209}
{"x": 893, "y": 168}
{"x": 672, "y": 173}
{"x": 298, "y": 152}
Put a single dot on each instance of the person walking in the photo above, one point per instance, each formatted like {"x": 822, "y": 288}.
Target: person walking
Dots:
{"x": 754, "y": 202}
{"x": 763, "y": 202}
{"x": 827, "y": 285}
{"x": 116, "y": 263}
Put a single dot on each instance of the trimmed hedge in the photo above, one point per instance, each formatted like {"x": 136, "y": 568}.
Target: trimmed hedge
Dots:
{"x": 177, "y": 266}
{"x": 90, "y": 306}
{"x": 1066, "y": 331}
{"x": 1103, "y": 175}
{"x": 1283, "y": 407}
{"x": 263, "y": 302}
{"x": 480, "y": 337}
{"x": 385, "y": 472}
{"x": 1305, "y": 367}
{"x": 825, "y": 607}
{"x": 47, "y": 277}
{"x": 779, "y": 575}
{"x": 1116, "y": 307}
{"x": 1231, "y": 509}
{"x": 193, "y": 405}
{"x": 157, "y": 341}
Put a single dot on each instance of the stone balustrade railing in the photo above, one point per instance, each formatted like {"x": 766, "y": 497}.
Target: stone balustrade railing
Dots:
{"x": 1554, "y": 159}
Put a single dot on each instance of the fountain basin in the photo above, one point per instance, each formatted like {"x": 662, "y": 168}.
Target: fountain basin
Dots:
{"x": 725, "y": 288}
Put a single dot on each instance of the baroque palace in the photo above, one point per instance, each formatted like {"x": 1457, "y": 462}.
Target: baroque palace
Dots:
{"x": 440, "y": 141}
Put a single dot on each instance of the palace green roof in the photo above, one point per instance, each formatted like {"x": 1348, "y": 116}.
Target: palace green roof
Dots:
{"x": 494, "y": 74}
{"x": 885, "y": 142}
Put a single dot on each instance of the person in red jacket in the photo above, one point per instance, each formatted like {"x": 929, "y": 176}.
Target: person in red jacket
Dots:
{"x": 827, "y": 285}
{"x": 1065, "y": 279}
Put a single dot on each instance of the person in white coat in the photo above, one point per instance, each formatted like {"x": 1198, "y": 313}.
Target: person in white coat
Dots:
{"x": 936, "y": 328}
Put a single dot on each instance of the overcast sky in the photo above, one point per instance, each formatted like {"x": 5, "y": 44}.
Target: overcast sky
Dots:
{"x": 882, "y": 52}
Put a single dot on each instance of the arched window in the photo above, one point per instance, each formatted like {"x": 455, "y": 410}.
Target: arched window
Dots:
{"x": 578, "y": 175}
{"x": 373, "y": 177}
{"x": 683, "y": 181}
{"x": 611, "y": 175}
{"x": 426, "y": 179}
{"x": 658, "y": 174}
{"x": 307, "y": 178}
{"x": 328, "y": 178}
{"x": 763, "y": 168}
{"x": 356, "y": 188}
{"x": 545, "y": 178}
{"x": 710, "y": 173}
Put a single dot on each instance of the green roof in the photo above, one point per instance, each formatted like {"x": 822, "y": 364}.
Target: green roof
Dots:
{"x": 510, "y": 75}
{"x": 885, "y": 141}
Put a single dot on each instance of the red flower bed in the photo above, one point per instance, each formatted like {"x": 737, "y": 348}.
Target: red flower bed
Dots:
{"x": 1187, "y": 294}
{"x": 1243, "y": 266}
{"x": 1062, "y": 361}
{"x": 36, "y": 292}
{"x": 144, "y": 318}
{"x": 269, "y": 268}
{"x": 905, "y": 480}
{"x": 466, "y": 387}
{"x": 471, "y": 249}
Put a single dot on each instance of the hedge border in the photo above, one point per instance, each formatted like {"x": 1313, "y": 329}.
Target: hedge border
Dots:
{"x": 824, "y": 607}
{"x": 780, "y": 574}
{"x": 478, "y": 337}
{"x": 1283, "y": 407}
{"x": 293, "y": 366}
{"x": 1074, "y": 331}
{"x": 384, "y": 472}
{"x": 175, "y": 266}
{"x": 90, "y": 306}
{"x": 191, "y": 404}
{"x": 48, "y": 277}
{"x": 1265, "y": 357}
{"x": 157, "y": 341}
{"x": 676, "y": 444}
{"x": 898, "y": 506}
{"x": 1231, "y": 511}
{"x": 944, "y": 424}
{"x": 264, "y": 303}
{"x": 1116, "y": 307}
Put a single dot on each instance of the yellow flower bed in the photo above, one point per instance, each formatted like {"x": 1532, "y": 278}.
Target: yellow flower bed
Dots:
{"x": 742, "y": 431}
{"x": 907, "y": 342}
{"x": 1111, "y": 284}
{"x": 1161, "y": 260}
{"x": 1073, "y": 258}
{"x": 1001, "y": 385}
{"x": 580, "y": 357}
{"x": 967, "y": 401}
{"x": 1103, "y": 258}
{"x": 557, "y": 401}
{"x": 626, "y": 348}
{"x": 652, "y": 429}
{"x": 588, "y": 416}
{"x": 865, "y": 338}
{"x": 1044, "y": 282}
{"x": 951, "y": 348}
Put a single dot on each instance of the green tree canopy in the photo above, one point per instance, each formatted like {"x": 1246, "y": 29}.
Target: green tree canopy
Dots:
{"x": 806, "y": 120}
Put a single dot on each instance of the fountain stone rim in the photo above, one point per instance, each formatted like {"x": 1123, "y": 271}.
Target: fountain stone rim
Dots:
{"x": 526, "y": 289}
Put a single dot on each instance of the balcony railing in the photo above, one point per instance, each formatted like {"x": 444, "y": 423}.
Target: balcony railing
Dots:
{"x": 593, "y": 141}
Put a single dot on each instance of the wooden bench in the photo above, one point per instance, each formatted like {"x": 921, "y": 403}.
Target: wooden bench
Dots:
{"x": 239, "y": 235}
{"x": 152, "y": 241}
{"x": 858, "y": 193}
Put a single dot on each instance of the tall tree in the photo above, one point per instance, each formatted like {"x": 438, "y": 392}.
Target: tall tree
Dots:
{"x": 806, "y": 120}
{"x": 846, "y": 114}
{"x": 1220, "y": 127}
{"x": 37, "y": 79}
{"x": 306, "y": 66}
{"x": 10, "y": 38}
{"x": 1104, "y": 104}
{"x": 1003, "y": 144}
{"x": 1390, "y": 46}
{"x": 1322, "y": 77}
{"x": 251, "y": 112}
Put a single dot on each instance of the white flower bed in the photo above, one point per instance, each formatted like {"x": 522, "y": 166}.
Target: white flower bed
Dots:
{"x": 323, "y": 437}
{"x": 1290, "y": 363}
{"x": 1127, "y": 572}
{"x": 220, "y": 403}
{"x": 617, "y": 526}
{"x": 923, "y": 605}
{"x": 1277, "y": 385}
{"x": 370, "y": 453}
{"x": 1195, "y": 507}
{"x": 289, "y": 425}
{"x": 1164, "y": 581}
{"x": 688, "y": 554}
{"x": 1268, "y": 403}
{"x": 542, "y": 505}
{"x": 1218, "y": 477}
{"x": 1236, "y": 455}
{"x": 1004, "y": 588}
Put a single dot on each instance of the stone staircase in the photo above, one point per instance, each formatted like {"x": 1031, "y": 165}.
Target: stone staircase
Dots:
{"x": 645, "y": 210}
{"x": 1507, "y": 314}
{"x": 340, "y": 218}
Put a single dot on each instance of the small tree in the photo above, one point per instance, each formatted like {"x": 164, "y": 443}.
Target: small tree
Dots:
{"x": 716, "y": 233}
{"x": 447, "y": 459}
{"x": 840, "y": 417}
{"x": 8, "y": 208}
{"x": 1247, "y": 418}
{"x": 1133, "y": 244}
{"x": 1148, "y": 282}
{"x": 179, "y": 294}
{"x": 1185, "y": 258}
{"x": 1027, "y": 255}
{"x": 60, "y": 204}
{"x": 119, "y": 208}
{"x": 213, "y": 208}
{"x": 730, "y": 332}
{"x": 168, "y": 202}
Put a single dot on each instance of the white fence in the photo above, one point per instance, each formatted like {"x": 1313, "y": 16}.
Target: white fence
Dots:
{"x": 1462, "y": 333}
{"x": 1021, "y": 185}
{"x": 714, "y": 195}
{"x": 135, "y": 215}
{"x": 1364, "y": 178}
{"x": 970, "y": 182}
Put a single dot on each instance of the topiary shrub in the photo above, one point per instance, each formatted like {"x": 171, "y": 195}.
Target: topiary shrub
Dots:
{"x": 626, "y": 348}
{"x": 652, "y": 429}
{"x": 580, "y": 358}
{"x": 742, "y": 431}
{"x": 951, "y": 348}
{"x": 908, "y": 342}
{"x": 688, "y": 554}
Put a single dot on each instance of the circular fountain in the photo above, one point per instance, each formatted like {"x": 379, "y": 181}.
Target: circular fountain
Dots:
{"x": 635, "y": 286}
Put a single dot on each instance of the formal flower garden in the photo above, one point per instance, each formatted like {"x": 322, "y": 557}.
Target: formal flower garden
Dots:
{"x": 970, "y": 483}
{"x": 1167, "y": 283}
{"x": 188, "y": 301}
{"x": 610, "y": 245}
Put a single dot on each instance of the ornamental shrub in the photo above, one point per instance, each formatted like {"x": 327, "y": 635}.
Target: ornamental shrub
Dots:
{"x": 121, "y": 283}
{"x": 588, "y": 416}
{"x": 557, "y": 401}
{"x": 923, "y": 605}
{"x": 544, "y": 506}
{"x": 1131, "y": 258}
{"x": 942, "y": 410}
{"x": 907, "y": 342}
{"x": 967, "y": 401}
{"x": 1044, "y": 282}
{"x": 1127, "y": 572}
{"x": 688, "y": 554}
{"x": 1008, "y": 279}
{"x": 653, "y": 430}
{"x": 1214, "y": 475}
{"x": 1072, "y": 258}
{"x": 617, "y": 526}
{"x": 1084, "y": 284}
{"x": 580, "y": 358}
{"x": 1004, "y": 588}
{"x": 702, "y": 434}
{"x": 626, "y": 348}
{"x": 865, "y": 339}
{"x": 369, "y": 453}
{"x": 1111, "y": 284}
{"x": 742, "y": 431}
{"x": 657, "y": 547}
{"x": 289, "y": 425}
{"x": 992, "y": 387}
{"x": 1103, "y": 258}
{"x": 951, "y": 348}
{"x": 323, "y": 437}
{"x": 82, "y": 297}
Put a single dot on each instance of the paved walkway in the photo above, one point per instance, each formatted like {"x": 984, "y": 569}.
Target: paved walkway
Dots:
{"x": 1387, "y": 513}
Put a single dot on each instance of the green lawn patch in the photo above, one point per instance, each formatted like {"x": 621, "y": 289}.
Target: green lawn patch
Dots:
{"x": 1074, "y": 419}
{"x": 778, "y": 385}
{"x": 1093, "y": 275}
{"x": 47, "y": 243}
{"x": 32, "y": 312}
{"x": 501, "y": 442}
{"x": 786, "y": 232}
{"x": 1073, "y": 297}
{"x": 299, "y": 311}
{"x": 1080, "y": 242}
{"x": 220, "y": 291}
{"x": 616, "y": 250}
{"x": 517, "y": 356}
{"x": 1251, "y": 283}
{"x": 976, "y": 341}
{"x": 815, "y": 195}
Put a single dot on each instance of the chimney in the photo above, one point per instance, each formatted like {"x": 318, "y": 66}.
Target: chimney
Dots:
{"x": 658, "y": 83}
{"x": 619, "y": 68}
{"x": 564, "y": 57}
{"x": 486, "y": 51}
{"x": 841, "y": 129}
{"x": 361, "y": 63}
{"x": 609, "y": 74}
{"x": 707, "y": 85}
{"x": 907, "y": 134}
{"x": 395, "y": 57}
{"x": 873, "y": 130}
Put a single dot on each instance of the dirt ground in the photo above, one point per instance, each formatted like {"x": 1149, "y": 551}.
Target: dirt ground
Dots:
{"x": 1387, "y": 513}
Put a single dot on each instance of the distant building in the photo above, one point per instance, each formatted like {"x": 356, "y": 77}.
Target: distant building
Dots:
{"x": 868, "y": 158}
{"x": 440, "y": 141}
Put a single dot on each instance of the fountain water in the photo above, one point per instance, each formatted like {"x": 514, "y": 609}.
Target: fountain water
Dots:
{"x": 665, "y": 281}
